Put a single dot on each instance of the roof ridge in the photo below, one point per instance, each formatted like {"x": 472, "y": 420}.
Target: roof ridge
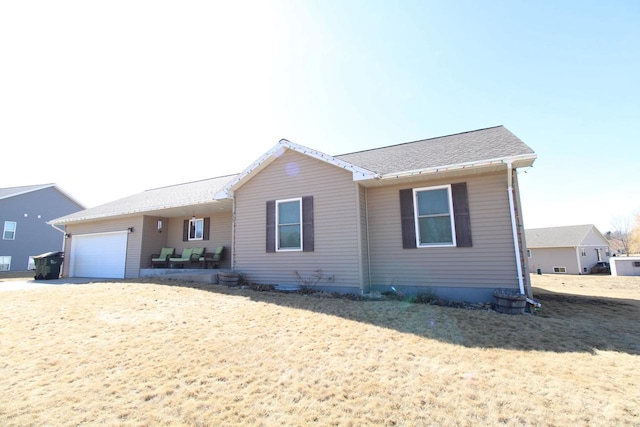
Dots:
{"x": 419, "y": 140}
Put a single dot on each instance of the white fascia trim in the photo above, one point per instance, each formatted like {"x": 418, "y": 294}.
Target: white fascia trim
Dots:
{"x": 460, "y": 166}
{"x": 359, "y": 174}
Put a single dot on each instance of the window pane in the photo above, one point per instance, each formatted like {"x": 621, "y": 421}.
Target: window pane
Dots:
{"x": 289, "y": 236}
{"x": 435, "y": 230}
{"x": 433, "y": 202}
{"x": 289, "y": 212}
{"x": 9, "y": 230}
{"x": 195, "y": 229}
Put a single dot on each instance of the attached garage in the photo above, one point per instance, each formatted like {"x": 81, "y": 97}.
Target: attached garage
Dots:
{"x": 625, "y": 266}
{"x": 100, "y": 255}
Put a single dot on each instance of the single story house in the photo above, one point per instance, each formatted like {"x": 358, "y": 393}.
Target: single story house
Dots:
{"x": 625, "y": 266}
{"x": 440, "y": 214}
{"x": 24, "y": 215}
{"x": 567, "y": 250}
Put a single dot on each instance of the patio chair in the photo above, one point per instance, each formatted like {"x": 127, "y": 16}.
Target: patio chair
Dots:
{"x": 161, "y": 259}
{"x": 179, "y": 261}
{"x": 212, "y": 259}
{"x": 189, "y": 255}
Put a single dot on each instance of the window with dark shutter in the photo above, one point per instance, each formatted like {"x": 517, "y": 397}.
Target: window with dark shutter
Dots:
{"x": 461, "y": 214}
{"x": 407, "y": 219}
{"x": 195, "y": 229}
{"x": 308, "y": 237}
{"x": 271, "y": 226}
{"x": 185, "y": 230}
{"x": 290, "y": 225}
{"x": 437, "y": 219}
{"x": 206, "y": 231}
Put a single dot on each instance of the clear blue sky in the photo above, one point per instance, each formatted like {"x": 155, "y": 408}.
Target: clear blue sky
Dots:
{"x": 108, "y": 99}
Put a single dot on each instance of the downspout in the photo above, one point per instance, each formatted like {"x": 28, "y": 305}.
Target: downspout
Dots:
{"x": 359, "y": 239}
{"x": 233, "y": 234}
{"x": 64, "y": 241}
{"x": 366, "y": 215}
{"x": 514, "y": 226}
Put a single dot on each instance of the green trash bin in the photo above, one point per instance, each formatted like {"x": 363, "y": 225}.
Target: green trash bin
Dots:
{"x": 48, "y": 265}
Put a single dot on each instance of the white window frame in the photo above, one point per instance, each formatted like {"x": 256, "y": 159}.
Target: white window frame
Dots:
{"x": 417, "y": 218}
{"x": 195, "y": 221}
{"x": 559, "y": 269}
{"x": 583, "y": 251}
{"x": 5, "y": 260}
{"x": 278, "y": 249}
{"x": 4, "y": 232}
{"x": 528, "y": 253}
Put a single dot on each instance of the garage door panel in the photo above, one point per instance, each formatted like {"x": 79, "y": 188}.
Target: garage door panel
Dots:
{"x": 99, "y": 255}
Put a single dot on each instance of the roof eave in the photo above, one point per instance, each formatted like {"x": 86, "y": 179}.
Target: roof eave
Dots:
{"x": 523, "y": 160}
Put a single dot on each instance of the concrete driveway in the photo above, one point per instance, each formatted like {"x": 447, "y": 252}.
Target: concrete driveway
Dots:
{"x": 26, "y": 284}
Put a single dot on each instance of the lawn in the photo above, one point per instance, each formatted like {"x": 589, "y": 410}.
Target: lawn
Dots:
{"x": 168, "y": 353}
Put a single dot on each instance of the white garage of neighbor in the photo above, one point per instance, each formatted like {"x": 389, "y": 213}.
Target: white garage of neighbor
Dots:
{"x": 625, "y": 266}
{"x": 100, "y": 255}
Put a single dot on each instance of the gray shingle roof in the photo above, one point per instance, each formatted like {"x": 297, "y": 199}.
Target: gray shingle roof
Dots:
{"x": 14, "y": 191}
{"x": 557, "y": 237}
{"x": 474, "y": 146}
{"x": 188, "y": 194}
{"x": 483, "y": 144}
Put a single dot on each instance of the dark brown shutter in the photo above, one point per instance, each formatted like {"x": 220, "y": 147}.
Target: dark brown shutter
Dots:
{"x": 407, "y": 219}
{"x": 185, "y": 230}
{"x": 461, "y": 214}
{"x": 271, "y": 226}
{"x": 307, "y": 224}
{"x": 205, "y": 232}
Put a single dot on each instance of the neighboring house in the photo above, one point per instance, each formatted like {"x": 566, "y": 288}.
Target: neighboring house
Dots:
{"x": 568, "y": 250}
{"x": 24, "y": 212}
{"x": 439, "y": 214}
{"x": 625, "y": 266}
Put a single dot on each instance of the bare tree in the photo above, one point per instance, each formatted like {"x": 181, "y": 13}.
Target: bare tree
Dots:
{"x": 620, "y": 236}
{"x": 634, "y": 246}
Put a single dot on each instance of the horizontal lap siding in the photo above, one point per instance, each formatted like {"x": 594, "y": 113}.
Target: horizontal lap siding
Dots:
{"x": 547, "y": 258}
{"x": 489, "y": 263}
{"x": 219, "y": 235}
{"x": 335, "y": 222}
{"x": 134, "y": 240}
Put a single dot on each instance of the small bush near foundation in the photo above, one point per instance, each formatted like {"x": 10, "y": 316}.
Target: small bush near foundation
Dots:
{"x": 425, "y": 297}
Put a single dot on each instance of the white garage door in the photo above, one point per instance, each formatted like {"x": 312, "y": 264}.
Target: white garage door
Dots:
{"x": 99, "y": 255}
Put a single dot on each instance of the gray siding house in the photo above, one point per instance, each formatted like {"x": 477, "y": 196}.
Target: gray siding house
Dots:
{"x": 566, "y": 250}
{"x": 24, "y": 213}
{"x": 441, "y": 214}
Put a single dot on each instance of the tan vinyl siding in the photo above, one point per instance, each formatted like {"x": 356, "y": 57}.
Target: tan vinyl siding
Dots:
{"x": 154, "y": 240}
{"x": 335, "y": 222}
{"x": 219, "y": 235}
{"x": 134, "y": 240}
{"x": 489, "y": 263}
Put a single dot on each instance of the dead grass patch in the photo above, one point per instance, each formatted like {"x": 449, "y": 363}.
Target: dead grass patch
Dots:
{"x": 164, "y": 354}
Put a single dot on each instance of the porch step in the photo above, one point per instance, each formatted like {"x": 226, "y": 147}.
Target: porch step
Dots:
{"x": 192, "y": 275}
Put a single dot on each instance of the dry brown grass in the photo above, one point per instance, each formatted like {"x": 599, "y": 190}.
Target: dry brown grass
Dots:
{"x": 167, "y": 354}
